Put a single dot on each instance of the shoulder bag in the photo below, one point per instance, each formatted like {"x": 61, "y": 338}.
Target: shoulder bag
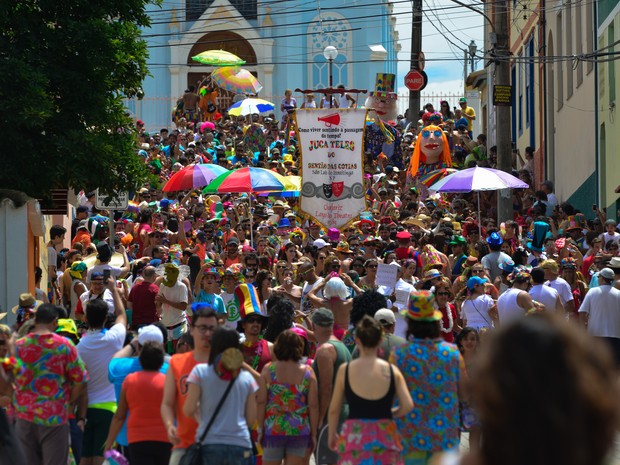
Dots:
{"x": 193, "y": 454}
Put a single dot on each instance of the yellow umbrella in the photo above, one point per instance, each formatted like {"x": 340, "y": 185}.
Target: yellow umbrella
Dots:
{"x": 218, "y": 58}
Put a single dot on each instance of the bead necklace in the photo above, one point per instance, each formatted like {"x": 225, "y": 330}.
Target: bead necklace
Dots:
{"x": 450, "y": 321}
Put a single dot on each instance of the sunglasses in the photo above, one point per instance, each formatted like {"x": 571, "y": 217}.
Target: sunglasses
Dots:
{"x": 443, "y": 293}
{"x": 427, "y": 133}
{"x": 477, "y": 271}
{"x": 372, "y": 266}
{"x": 253, "y": 320}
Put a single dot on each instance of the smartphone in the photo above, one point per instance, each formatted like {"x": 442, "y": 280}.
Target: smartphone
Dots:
{"x": 106, "y": 275}
{"x": 594, "y": 207}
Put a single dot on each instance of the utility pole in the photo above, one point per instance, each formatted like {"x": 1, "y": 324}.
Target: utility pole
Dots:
{"x": 503, "y": 113}
{"x": 416, "y": 48}
{"x": 464, "y": 70}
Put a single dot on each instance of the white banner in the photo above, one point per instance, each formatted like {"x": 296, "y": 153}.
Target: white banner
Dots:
{"x": 331, "y": 142}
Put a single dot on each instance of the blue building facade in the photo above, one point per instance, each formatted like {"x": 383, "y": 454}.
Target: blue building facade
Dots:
{"x": 281, "y": 41}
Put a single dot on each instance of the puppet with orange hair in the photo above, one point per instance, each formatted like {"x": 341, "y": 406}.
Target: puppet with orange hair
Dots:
{"x": 431, "y": 152}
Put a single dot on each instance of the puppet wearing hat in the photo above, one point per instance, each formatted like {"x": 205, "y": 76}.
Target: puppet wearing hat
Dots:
{"x": 381, "y": 137}
{"x": 431, "y": 153}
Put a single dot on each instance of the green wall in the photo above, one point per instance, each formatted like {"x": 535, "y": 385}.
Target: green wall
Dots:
{"x": 585, "y": 196}
{"x": 605, "y": 7}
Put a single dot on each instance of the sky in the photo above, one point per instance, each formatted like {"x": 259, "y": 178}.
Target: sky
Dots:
{"x": 444, "y": 61}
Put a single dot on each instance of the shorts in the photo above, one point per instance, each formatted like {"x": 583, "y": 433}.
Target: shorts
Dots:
{"x": 277, "y": 454}
{"x": 418, "y": 458}
{"x": 96, "y": 431}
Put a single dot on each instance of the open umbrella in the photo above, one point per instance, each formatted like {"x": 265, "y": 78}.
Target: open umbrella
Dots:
{"x": 193, "y": 176}
{"x": 249, "y": 180}
{"x": 250, "y": 106}
{"x": 478, "y": 179}
{"x": 218, "y": 58}
{"x": 434, "y": 176}
{"x": 236, "y": 80}
{"x": 292, "y": 189}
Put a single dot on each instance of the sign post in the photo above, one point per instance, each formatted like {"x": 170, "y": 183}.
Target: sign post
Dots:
{"x": 119, "y": 202}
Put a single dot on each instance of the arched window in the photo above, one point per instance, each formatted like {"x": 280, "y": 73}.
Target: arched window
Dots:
{"x": 330, "y": 28}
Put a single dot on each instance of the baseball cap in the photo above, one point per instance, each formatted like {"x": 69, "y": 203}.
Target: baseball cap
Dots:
{"x": 323, "y": 317}
{"x": 83, "y": 224}
{"x": 150, "y": 333}
{"x": 319, "y": 243}
{"x": 462, "y": 100}
{"x": 385, "y": 316}
{"x": 607, "y": 273}
{"x": 474, "y": 281}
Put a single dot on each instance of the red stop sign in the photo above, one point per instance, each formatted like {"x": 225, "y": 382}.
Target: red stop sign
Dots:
{"x": 414, "y": 80}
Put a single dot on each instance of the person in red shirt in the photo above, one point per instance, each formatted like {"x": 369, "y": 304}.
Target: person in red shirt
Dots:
{"x": 146, "y": 433}
{"x": 142, "y": 300}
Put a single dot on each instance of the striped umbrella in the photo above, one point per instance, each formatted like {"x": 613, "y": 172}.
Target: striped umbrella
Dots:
{"x": 193, "y": 176}
{"x": 236, "y": 80}
{"x": 431, "y": 178}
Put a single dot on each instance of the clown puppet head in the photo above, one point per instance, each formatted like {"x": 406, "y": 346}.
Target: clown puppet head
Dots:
{"x": 382, "y": 101}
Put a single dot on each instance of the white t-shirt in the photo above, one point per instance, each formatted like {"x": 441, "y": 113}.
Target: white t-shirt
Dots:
{"x": 232, "y": 309}
{"x": 606, "y": 237}
{"x": 108, "y": 298}
{"x": 546, "y": 295}
{"x": 402, "y": 291}
{"x": 563, "y": 288}
{"x": 507, "y": 307}
{"x": 114, "y": 271}
{"x": 171, "y": 316}
{"x": 52, "y": 256}
{"x": 476, "y": 311}
{"x": 96, "y": 349}
{"x": 602, "y": 304}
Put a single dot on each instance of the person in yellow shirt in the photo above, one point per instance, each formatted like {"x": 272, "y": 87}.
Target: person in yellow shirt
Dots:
{"x": 469, "y": 113}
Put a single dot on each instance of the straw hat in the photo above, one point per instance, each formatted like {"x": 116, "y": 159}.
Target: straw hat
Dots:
{"x": 116, "y": 260}
{"x": 26, "y": 300}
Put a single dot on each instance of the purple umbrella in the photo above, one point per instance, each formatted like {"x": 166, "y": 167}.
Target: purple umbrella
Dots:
{"x": 478, "y": 179}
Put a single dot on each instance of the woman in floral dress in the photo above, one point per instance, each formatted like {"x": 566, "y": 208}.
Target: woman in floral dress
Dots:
{"x": 288, "y": 409}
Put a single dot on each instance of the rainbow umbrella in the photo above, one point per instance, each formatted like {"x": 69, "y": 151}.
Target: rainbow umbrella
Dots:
{"x": 431, "y": 178}
{"x": 218, "y": 58}
{"x": 249, "y": 106}
{"x": 193, "y": 176}
{"x": 293, "y": 188}
{"x": 236, "y": 80}
{"x": 249, "y": 180}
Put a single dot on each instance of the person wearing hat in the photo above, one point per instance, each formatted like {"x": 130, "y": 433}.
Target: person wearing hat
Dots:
{"x": 231, "y": 255}
{"x": 256, "y": 350}
{"x": 98, "y": 291}
{"x": 26, "y": 308}
{"x": 389, "y": 340}
{"x": 502, "y": 282}
{"x": 515, "y": 303}
{"x": 546, "y": 295}
{"x": 366, "y": 228}
{"x": 405, "y": 249}
{"x": 331, "y": 353}
{"x": 458, "y": 257}
{"x": 336, "y": 293}
{"x": 444, "y": 377}
{"x": 552, "y": 272}
{"x": 492, "y": 260}
{"x": 126, "y": 361}
{"x": 600, "y": 312}
{"x": 469, "y": 114}
{"x": 478, "y": 310}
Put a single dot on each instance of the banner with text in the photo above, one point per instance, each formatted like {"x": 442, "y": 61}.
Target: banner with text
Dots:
{"x": 332, "y": 186}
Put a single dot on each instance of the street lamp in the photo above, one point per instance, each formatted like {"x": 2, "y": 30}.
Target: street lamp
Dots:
{"x": 330, "y": 53}
{"x": 473, "y": 48}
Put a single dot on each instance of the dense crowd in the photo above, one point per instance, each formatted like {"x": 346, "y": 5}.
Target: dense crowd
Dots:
{"x": 378, "y": 343}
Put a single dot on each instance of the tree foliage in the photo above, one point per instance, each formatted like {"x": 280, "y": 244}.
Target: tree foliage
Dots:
{"x": 66, "y": 66}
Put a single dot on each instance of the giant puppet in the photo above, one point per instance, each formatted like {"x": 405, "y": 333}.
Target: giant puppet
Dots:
{"x": 381, "y": 137}
{"x": 431, "y": 152}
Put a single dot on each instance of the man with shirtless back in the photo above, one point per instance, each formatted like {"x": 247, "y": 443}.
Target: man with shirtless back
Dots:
{"x": 190, "y": 103}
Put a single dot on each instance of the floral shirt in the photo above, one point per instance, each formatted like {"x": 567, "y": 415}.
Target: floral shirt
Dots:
{"x": 431, "y": 369}
{"x": 287, "y": 408}
{"x": 51, "y": 366}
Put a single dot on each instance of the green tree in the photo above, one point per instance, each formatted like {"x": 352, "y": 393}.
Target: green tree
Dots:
{"x": 66, "y": 66}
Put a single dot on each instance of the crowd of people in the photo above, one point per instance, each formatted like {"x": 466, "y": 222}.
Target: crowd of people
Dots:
{"x": 181, "y": 329}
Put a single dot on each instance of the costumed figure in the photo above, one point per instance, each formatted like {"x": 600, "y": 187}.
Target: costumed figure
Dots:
{"x": 380, "y": 137}
{"x": 208, "y": 103}
{"x": 431, "y": 152}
